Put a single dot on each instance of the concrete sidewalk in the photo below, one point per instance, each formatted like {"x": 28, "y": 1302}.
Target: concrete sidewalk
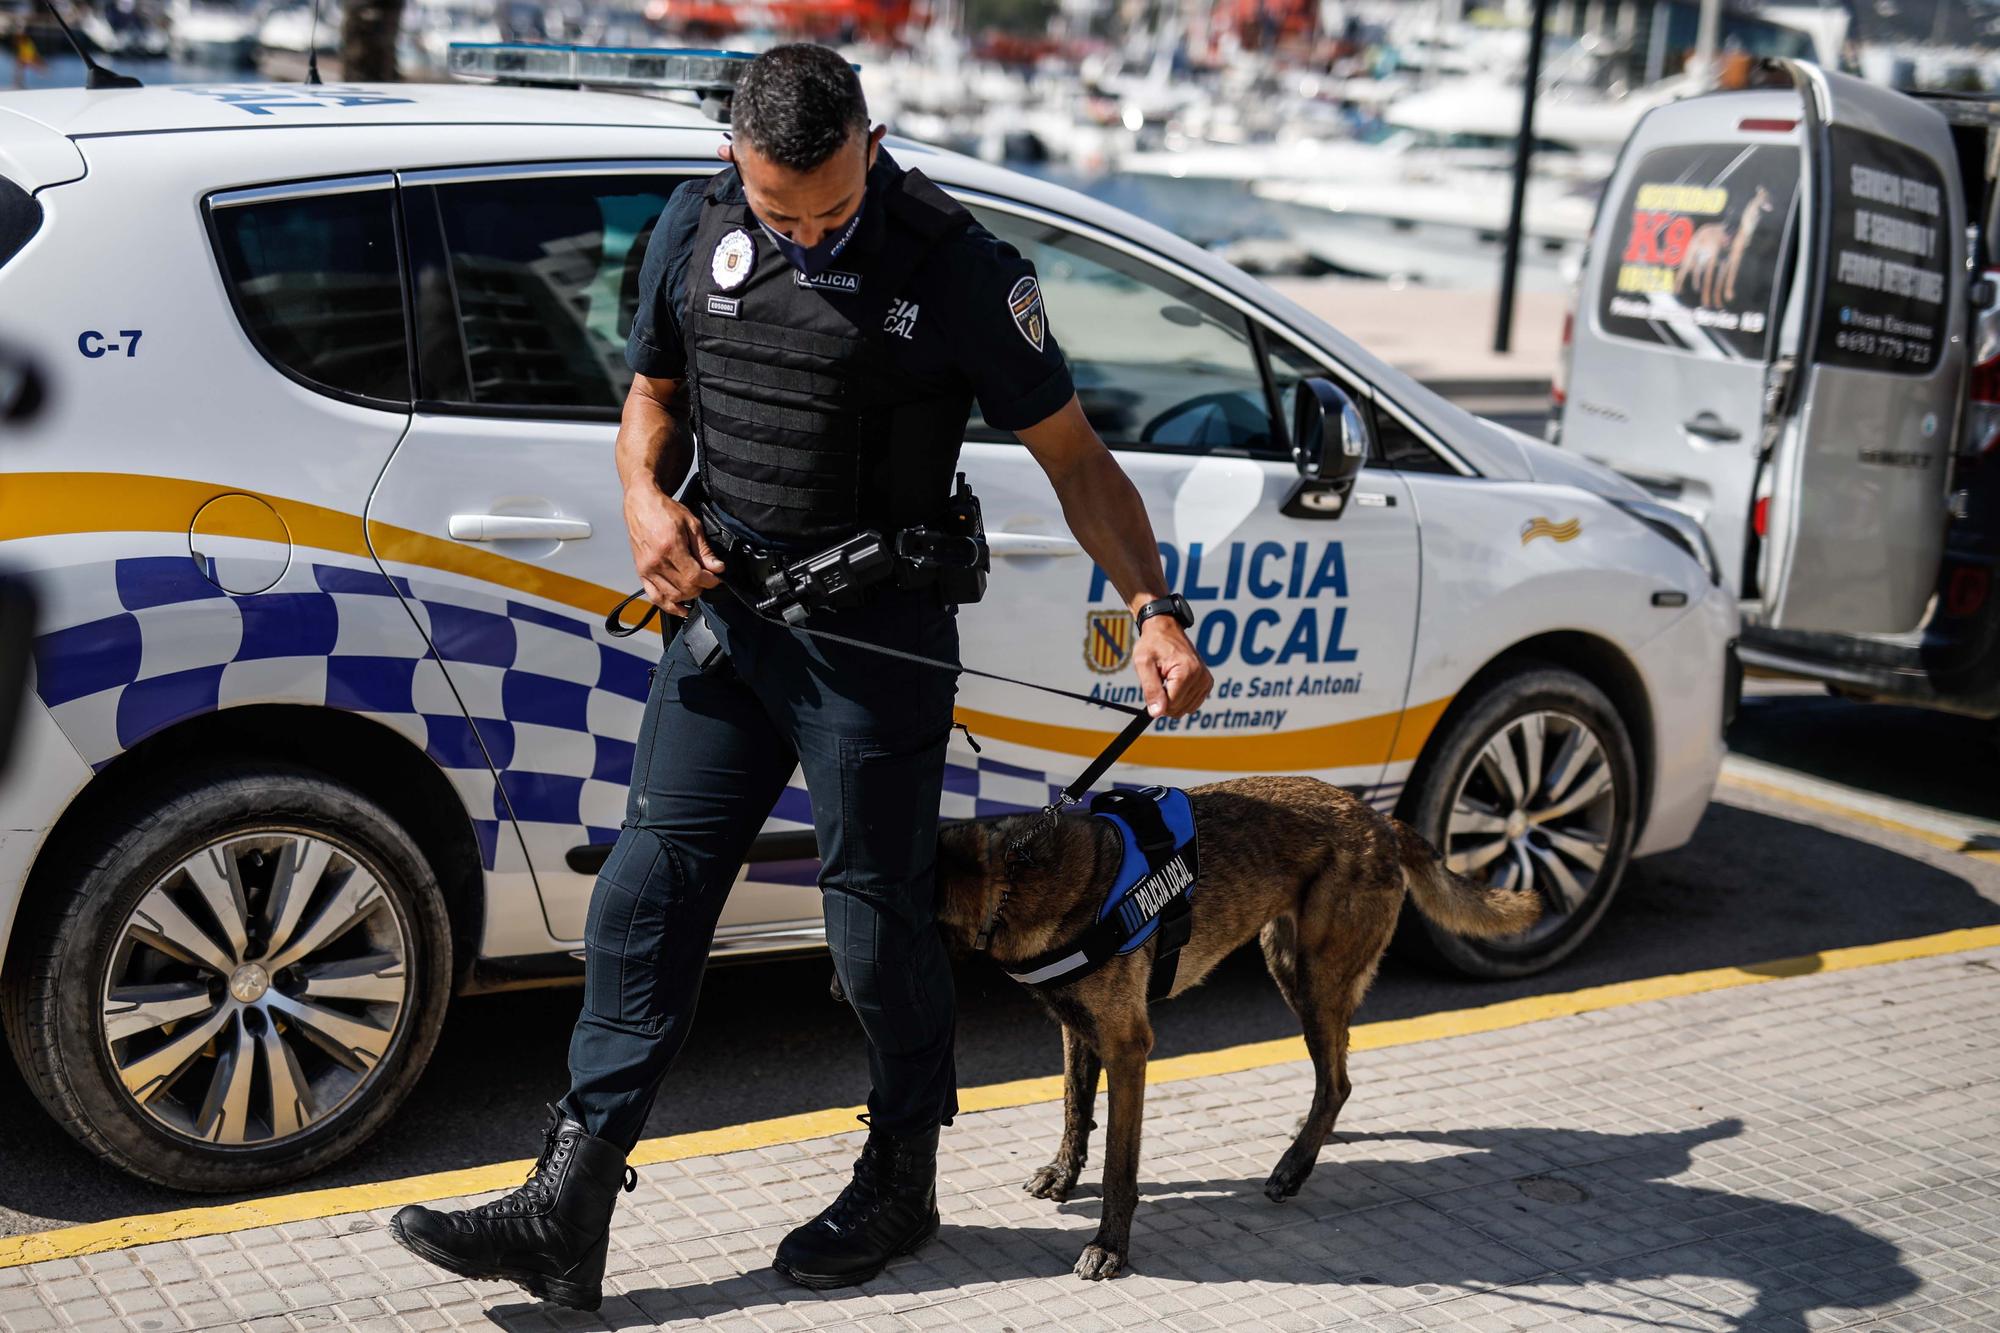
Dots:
{"x": 1814, "y": 1152}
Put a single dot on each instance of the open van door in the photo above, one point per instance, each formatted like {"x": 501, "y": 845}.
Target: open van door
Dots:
{"x": 1692, "y": 264}
{"x": 1862, "y": 431}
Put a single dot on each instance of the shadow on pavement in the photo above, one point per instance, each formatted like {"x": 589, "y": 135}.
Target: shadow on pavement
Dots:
{"x": 1910, "y": 754}
{"x": 1591, "y": 1208}
{"x": 768, "y": 1041}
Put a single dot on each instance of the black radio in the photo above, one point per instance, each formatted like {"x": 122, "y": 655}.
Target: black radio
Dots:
{"x": 835, "y": 577}
{"x": 953, "y": 554}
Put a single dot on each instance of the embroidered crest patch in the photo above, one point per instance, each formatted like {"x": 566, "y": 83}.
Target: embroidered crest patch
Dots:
{"x": 730, "y": 264}
{"x": 1025, "y": 304}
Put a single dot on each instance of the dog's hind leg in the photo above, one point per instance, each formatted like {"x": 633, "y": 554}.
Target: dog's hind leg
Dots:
{"x": 1080, "y": 1071}
{"x": 1333, "y": 973}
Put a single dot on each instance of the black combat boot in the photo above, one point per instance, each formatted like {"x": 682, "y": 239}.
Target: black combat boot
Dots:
{"x": 550, "y": 1235}
{"x": 889, "y": 1208}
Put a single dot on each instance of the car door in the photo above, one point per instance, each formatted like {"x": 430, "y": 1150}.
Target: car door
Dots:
{"x": 1860, "y": 470}
{"x": 501, "y": 512}
{"x": 1679, "y": 310}
{"x": 1306, "y": 620}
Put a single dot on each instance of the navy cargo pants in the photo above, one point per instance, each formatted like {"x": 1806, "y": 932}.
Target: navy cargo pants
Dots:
{"x": 714, "y": 751}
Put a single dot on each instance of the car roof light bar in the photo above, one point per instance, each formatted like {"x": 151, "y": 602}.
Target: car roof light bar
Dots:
{"x": 711, "y": 75}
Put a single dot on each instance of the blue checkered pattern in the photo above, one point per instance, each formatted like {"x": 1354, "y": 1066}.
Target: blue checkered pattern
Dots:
{"x": 530, "y": 715}
{"x": 521, "y": 685}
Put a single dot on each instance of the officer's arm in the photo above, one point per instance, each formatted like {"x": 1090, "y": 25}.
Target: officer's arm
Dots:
{"x": 1105, "y": 513}
{"x": 653, "y": 452}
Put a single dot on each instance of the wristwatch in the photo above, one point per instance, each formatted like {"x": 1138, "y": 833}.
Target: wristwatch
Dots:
{"x": 1175, "y": 606}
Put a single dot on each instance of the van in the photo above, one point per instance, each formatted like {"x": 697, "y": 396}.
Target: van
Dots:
{"x": 1787, "y": 327}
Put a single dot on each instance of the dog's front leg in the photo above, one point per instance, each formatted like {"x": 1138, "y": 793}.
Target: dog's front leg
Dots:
{"x": 1080, "y": 1071}
{"x": 1105, "y": 1255}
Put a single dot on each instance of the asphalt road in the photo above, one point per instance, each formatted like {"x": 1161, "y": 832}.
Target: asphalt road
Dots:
{"x": 1762, "y": 880}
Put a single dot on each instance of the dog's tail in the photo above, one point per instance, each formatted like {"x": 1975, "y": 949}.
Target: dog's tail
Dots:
{"x": 1455, "y": 902}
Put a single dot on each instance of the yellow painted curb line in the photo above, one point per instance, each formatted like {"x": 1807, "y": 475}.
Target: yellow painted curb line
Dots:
{"x": 1963, "y": 847}
{"x": 125, "y": 1232}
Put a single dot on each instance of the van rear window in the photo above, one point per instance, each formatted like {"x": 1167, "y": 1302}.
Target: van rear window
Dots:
{"x": 20, "y": 218}
{"x": 1699, "y": 237}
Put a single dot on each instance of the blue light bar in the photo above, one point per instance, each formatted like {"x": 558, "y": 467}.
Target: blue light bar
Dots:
{"x": 713, "y": 74}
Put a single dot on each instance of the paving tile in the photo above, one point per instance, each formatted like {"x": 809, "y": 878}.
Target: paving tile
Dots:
{"x": 1797, "y": 1156}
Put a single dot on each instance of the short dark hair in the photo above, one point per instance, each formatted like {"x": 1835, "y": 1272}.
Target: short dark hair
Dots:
{"x": 797, "y": 104}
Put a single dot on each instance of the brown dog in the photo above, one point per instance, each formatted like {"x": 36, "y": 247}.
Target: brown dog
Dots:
{"x": 1310, "y": 869}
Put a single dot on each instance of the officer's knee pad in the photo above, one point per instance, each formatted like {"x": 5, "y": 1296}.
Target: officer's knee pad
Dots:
{"x": 624, "y": 931}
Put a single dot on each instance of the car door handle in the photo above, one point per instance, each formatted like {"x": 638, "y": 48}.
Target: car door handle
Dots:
{"x": 1711, "y": 427}
{"x": 1031, "y": 543}
{"x": 516, "y": 527}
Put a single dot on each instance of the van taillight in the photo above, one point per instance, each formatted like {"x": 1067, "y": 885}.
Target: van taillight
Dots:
{"x": 1966, "y": 591}
{"x": 1757, "y": 125}
{"x": 1760, "y": 517}
{"x": 1982, "y": 408}
{"x": 1559, "y": 381}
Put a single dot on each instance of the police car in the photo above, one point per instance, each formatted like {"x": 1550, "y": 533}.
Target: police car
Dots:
{"x": 323, "y": 519}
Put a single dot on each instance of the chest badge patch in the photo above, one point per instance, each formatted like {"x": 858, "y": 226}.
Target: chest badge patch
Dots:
{"x": 734, "y": 255}
{"x": 1025, "y": 304}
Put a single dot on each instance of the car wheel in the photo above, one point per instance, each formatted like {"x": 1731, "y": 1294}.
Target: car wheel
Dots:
{"x": 237, "y": 987}
{"x": 1534, "y": 784}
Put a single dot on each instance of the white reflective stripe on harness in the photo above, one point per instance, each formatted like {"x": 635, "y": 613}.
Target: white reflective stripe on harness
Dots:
{"x": 1055, "y": 969}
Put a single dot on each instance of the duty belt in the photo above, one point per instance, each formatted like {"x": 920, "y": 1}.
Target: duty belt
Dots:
{"x": 1070, "y": 795}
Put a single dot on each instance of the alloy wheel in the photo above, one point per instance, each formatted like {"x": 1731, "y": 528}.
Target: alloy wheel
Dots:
{"x": 255, "y": 988}
{"x": 1536, "y": 809}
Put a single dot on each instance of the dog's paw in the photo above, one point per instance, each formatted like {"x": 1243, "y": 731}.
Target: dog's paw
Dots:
{"x": 1097, "y": 1263}
{"x": 1053, "y": 1181}
{"x": 1282, "y": 1185}
{"x": 1286, "y": 1178}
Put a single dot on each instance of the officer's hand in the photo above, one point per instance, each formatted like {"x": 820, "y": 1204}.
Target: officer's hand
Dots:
{"x": 672, "y": 556}
{"x": 1170, "y": 671}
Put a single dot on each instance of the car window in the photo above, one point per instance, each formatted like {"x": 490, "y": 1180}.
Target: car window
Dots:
{"x": 1396, "y": 445}
{"x": 1158, "y": 364}
{"x": 543, "y": 276}
{"x": 316, "y": 286}
{"x": 1700, "y": 233}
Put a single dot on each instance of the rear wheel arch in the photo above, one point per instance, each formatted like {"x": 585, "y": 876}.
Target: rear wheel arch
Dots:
{"x": 358, "y": 751}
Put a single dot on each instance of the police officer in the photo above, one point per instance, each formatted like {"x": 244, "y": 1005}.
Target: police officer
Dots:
{"x": 821, "y": 320}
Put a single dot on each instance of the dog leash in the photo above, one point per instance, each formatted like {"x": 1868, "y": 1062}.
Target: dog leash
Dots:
{"x": 1070, "y": 795}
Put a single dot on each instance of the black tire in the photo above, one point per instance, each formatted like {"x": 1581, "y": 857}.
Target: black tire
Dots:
{"x": 81, "y": 926}
{"x": 1529, "y": 691}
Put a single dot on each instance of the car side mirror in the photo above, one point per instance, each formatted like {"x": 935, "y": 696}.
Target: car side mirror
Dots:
{"x": 1324, "y": 415}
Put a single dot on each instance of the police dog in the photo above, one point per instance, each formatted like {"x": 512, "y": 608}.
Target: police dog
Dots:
{"x": 1312, "y": 871}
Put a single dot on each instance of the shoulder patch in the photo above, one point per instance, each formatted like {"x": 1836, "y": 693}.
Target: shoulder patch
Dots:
{"x": 730, "y": 264}
{"x": 1024, "y": 303}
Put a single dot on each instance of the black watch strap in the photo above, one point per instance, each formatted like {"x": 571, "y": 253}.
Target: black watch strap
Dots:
{"x": 1175, "y": 606}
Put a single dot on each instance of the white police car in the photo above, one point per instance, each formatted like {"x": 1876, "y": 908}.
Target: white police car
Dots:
{"x": 324, "y": 522}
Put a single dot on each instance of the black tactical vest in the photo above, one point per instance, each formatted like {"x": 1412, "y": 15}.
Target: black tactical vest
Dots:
{"x": 807, "y": 432}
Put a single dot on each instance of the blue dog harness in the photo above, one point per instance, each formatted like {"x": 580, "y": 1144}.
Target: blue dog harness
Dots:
{"x": 1148, "y": 897}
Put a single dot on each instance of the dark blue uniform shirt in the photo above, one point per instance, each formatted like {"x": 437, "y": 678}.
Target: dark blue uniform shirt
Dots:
{"x": 954, "y": 327}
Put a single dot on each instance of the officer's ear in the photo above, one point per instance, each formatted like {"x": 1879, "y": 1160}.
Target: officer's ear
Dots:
{"x": 875, "y": 144}
{"x": 726, "y": 150}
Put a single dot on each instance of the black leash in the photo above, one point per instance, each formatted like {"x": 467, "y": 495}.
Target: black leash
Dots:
{"x": 1071, "y": 794}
